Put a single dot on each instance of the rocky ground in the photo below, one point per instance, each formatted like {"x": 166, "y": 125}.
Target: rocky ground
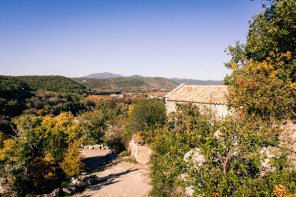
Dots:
{"x": 114, "y": 178}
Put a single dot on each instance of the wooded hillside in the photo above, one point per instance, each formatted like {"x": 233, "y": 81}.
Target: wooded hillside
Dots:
{"x": 52, "y": 83}
{"x": 129, "y": 84}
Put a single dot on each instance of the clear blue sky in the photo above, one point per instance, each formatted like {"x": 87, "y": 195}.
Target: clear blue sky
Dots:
{"x": 168, "y": 38}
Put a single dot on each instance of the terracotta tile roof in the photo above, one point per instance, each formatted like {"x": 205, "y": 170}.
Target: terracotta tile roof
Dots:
{"x": 210, "y": 94}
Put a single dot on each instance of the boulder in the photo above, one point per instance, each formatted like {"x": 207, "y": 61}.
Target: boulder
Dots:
{"x": 45, "y": 195}
{"x": 196, "y": 157}
{"x": 90, "y": 181}
{"x": 70, "y": 190}
{"x": 73, "y": 181}
{"x": 140, "y": 153}
{"x": 82, "y": 177}
{"x": 56, "y": 193}
{"x": 189, "y": 191}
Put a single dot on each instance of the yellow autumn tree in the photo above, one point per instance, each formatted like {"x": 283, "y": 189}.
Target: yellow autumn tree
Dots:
{"x": 72, "y": 164}
{"x": 44, "y": 173}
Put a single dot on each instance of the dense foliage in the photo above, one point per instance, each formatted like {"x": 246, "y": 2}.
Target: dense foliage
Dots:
{"x": 39, "y": 137}
{"x": 52, "y": 83}
{"x": 233, "y": 153}
{"x": 266, "y": 88}
{"x": 12, "y": 96}
{"x": 94, "y": 123}
{"x": 264, "y": 78}
{"x": 248, "y": 153}
{"x": 169, "y": 147}
{"x": 53, "y": 103}
{"x": 272, "y": 29}
{"x": 146, "y": 116}
{"x": 30, "y": 162}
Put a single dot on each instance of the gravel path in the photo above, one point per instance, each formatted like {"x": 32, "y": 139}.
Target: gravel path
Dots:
{"x": 114, "y": 178}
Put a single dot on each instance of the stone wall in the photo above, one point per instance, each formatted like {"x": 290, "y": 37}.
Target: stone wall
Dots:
{"x": 96, "y": 146}
{"x": 140, "y": 153}
{"x": 221, "y": 110}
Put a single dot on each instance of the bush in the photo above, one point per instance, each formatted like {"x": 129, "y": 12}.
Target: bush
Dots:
{"x": 232, "y": 152}
{"x": 124, "y": 154}
{"x": 145, "y": 116}
{"x": 131, "y": 160}
{"x": 32, "y": 157}
{"x": 170, "y": 145}
{"x": 44, "y": 174}
{"x": 115, "y": 137}
{"x": 72, "y": 164}
{"x": 94, "y": 124}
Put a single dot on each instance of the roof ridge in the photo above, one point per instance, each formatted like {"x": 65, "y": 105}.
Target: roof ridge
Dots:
{"x": 174, "y": 90}
{"x": 199, "y": 93}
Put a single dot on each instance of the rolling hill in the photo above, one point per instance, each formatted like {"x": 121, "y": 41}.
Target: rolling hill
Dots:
{"x": 102, "y": 75}
{"x": 129, "y": 84}
{"x": 196, "y": 81}
{"x": 52, "y": 83}
{"x": 105, "y": 75}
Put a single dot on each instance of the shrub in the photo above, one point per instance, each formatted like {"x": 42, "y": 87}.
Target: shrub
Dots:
{"x": 72, "y": 164}
{"x": 131, "y": 160}
{"x": 94, "y": 124}
{"x": 170, "y": 145}
{"x": 44, "y": 174}
{"x": 232, "y": 149}
{"x": 31, "y": 158}
{"x": 145, "y": 116}
{"x": 114, "y": 136}
{"x": 124, "y": 154}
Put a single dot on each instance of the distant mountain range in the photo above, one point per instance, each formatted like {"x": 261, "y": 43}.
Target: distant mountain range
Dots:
{"x": 105, "y": 75}
{"x": 129, "y": 84}
{"x": 197, "y": 82}
{"x": 102, "y": 75}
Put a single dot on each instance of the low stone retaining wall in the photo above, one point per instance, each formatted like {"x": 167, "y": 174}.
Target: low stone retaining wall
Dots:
{"x": 96, "y": 146}
{"x": 140, "y": 153}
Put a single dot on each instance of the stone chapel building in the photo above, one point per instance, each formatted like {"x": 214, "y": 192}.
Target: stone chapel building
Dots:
{"x": 212, "y": 96}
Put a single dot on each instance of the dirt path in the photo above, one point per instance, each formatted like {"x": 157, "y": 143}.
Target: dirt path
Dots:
{"x": 114, "y": 178}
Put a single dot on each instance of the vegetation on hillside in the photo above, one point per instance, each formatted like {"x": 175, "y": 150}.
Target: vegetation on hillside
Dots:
{"x": 197, "y": 82}
{"x": 52, "y": 83}
{"x": 40, "y": 139}
{"x": 129, "y": 84}
{"x": 12, "y": 96}
{"x": 246, "y": 154}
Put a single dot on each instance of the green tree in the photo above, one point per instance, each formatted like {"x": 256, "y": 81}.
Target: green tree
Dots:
{"x": 94, "y": 124}
{"x": 31, "y": 158}
{"x": 72, "y": 164}
{"x": 145, "y": 115}
{"x": 265, "y": 84}
{"x": 273, "y": 29}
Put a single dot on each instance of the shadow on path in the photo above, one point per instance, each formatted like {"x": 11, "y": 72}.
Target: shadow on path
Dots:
{"x": 108, "y": 180}
{"x": 100, "y": 163}
{"x": 108, "y": 176}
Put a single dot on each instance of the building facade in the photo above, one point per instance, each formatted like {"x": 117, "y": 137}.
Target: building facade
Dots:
{"x": 211, "y": 96}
